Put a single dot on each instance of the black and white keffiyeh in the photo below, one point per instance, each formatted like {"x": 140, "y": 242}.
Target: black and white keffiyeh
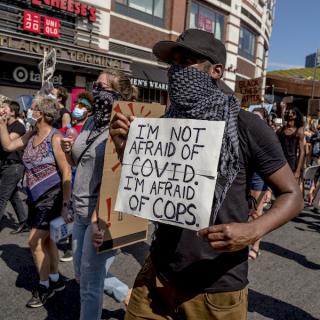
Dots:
{"x": 194, "y": 95}
{"x": 102, "y": 108}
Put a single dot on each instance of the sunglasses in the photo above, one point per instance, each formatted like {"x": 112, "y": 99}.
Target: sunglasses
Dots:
{"x": 100, "y": 85}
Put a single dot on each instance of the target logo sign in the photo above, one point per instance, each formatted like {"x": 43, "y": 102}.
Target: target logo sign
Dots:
{"x": 20, "y": 74}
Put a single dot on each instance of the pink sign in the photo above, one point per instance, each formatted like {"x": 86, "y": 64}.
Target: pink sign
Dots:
{"x": 51, "y": 27}
{"x": 204, "y": 23}
{"x": 31, "y": 21}
{"x": 74, "y": 95}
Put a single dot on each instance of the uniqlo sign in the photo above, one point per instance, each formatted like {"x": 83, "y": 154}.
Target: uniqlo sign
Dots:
{"x": 51, "y": 27}
{"x": 31, "y": 22}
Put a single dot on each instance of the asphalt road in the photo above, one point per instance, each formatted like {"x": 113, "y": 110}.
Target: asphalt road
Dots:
{"x": 284, "y": 280}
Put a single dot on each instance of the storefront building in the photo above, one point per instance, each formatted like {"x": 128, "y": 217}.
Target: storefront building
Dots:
{"x": 79, "y": 31}
{"x": 135, "y": 26}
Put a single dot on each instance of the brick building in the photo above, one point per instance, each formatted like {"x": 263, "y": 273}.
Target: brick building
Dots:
{"x": 243, "y": 25}
{"x": 97, "y": 34}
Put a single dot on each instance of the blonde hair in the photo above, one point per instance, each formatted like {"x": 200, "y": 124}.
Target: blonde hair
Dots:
{"x": 120, "y": 82}
{"x": 3, "y": 99}
{"x": 49, "y": 107}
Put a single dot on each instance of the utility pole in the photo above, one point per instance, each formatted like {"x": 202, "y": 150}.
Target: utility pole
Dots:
{"x": 314, "y": 73}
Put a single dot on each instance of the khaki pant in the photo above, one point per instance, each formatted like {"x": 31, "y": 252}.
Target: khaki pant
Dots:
{"x": 154, "y": 298}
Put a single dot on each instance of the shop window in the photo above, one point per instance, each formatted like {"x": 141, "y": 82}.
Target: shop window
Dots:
{"x": 150, "y": 11}
{"x": 207, "y": 19}
{"x": 247, "y": 43}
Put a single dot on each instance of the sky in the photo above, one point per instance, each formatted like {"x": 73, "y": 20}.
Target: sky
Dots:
{"x": 295, "y": 33}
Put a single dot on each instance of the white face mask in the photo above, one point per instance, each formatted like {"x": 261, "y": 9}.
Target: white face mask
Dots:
{"x": 30, "y": 118}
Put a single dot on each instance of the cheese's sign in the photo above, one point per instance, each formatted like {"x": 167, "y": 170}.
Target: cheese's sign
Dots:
{"x": 76, "y": 7}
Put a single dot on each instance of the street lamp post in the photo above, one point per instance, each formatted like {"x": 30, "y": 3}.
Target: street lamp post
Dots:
{"x": 314, "y": 73}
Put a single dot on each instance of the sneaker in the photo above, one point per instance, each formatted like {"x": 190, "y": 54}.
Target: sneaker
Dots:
{"x": 67, "y": 256}
{"x": 40, "y": 296}
{"x": 58, "y": 285}
{"x": 22, "y": 227}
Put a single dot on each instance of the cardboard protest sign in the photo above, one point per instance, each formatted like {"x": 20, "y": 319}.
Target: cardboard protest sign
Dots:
{"x": 120, "y": 229}
{"x": 250, "y": 90}
{"x": 169, "y": 170}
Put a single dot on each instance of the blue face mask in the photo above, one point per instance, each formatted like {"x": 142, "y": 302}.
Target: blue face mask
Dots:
{"x": 30, "y": 118}
{"x": 78, "y": 113}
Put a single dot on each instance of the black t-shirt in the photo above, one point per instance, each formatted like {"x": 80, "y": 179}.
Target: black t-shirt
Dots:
{"x": 186, "y": 260}
{"x": 15, "y": 127}
{"x": 62, "y": 112}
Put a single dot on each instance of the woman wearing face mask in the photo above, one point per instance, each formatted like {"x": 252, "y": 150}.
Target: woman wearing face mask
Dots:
{"x": 87, "y": 154}
{"x": 82, "y": 110}
{"x": 48, "y": 185}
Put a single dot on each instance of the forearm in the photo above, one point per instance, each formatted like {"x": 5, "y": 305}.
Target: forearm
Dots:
{"x": 300, "y": 161}
{"x": 66, "y": 185}
{"x": 285, "y": 208}
{"x": 95, "y": 215}
{"x": 4, "y": 137}
{"x": 70, "y": 159}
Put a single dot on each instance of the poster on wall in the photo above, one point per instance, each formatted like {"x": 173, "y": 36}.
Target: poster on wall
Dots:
{"x": 169, "y": 171}
{"x": 121, "y": 229}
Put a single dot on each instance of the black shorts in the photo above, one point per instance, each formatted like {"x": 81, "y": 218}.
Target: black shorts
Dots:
{"x": 45, "y": 209}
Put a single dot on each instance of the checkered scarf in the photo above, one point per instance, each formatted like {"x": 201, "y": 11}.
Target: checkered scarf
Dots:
{"x": 102, "y": 108}
{"x": 194, "y": 95}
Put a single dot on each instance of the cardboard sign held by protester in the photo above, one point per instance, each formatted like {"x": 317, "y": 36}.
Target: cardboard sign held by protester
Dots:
{"x": 169, "y": 170}
{"x": 121, "y": 229}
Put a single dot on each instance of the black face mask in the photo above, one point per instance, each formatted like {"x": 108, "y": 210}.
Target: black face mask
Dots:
{"x": 102, "y": 107}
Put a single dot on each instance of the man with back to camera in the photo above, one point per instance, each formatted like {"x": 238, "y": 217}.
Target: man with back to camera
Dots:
{"x": 203, "y": 275}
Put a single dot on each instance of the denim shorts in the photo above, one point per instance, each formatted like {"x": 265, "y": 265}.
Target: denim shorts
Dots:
{"x": 257, "y": 183}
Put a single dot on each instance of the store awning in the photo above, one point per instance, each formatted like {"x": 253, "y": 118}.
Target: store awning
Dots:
{"x": 149, "y": 76}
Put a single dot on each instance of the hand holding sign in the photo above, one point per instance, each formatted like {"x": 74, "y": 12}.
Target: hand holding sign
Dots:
{"x": 169, "y": 170}
{"x": 230, "y": 237}
{"x": 119, "y": 129}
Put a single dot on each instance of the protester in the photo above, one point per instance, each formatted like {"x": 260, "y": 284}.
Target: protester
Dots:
{"x": 82, "y": 111}
{"x": 11, "y": 168}
{"x": 259, "y": 191}
{"x": 87, "y": 154}
{"x": 291, "y": 137}
{"x": 203, "y": 275}
{"x": 48, "y": 185}
{"x": 61, "y": 94}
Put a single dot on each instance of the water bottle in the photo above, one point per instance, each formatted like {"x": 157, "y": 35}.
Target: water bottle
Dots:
{"x": 71, "y": 133}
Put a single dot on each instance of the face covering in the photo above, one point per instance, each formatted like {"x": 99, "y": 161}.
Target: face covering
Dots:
{"x": 30, "y": 118}
{"x": 103, "y": 101}
{"x": 78, "y": 113}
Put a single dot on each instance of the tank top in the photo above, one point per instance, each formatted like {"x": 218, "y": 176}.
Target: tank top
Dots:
{"x": 41, "y": 169}
{"x": 290, "y": 146}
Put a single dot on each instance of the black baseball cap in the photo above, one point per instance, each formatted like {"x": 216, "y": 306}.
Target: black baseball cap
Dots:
{"x": 198, "y": 42}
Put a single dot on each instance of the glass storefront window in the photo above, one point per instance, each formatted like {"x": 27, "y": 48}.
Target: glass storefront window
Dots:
{"x": 140, "y": 8}
{"x": 207, "y": 19}
{"x": 247, "y": 43}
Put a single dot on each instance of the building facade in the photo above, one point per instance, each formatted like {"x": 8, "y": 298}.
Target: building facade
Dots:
{"x": 243, "y": 25}
{"x": 119, "y": 34}
{"x": 313, "y": 60}
{"x": 78, "y": 30}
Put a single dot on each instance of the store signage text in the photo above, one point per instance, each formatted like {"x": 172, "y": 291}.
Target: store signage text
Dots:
{"x": 149, "y": 84}
{"x": 76, "y": 7}
{"x": 21, "y": 75}
{"x": 70, "y": 55}
{"x": 32, "y": 23}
